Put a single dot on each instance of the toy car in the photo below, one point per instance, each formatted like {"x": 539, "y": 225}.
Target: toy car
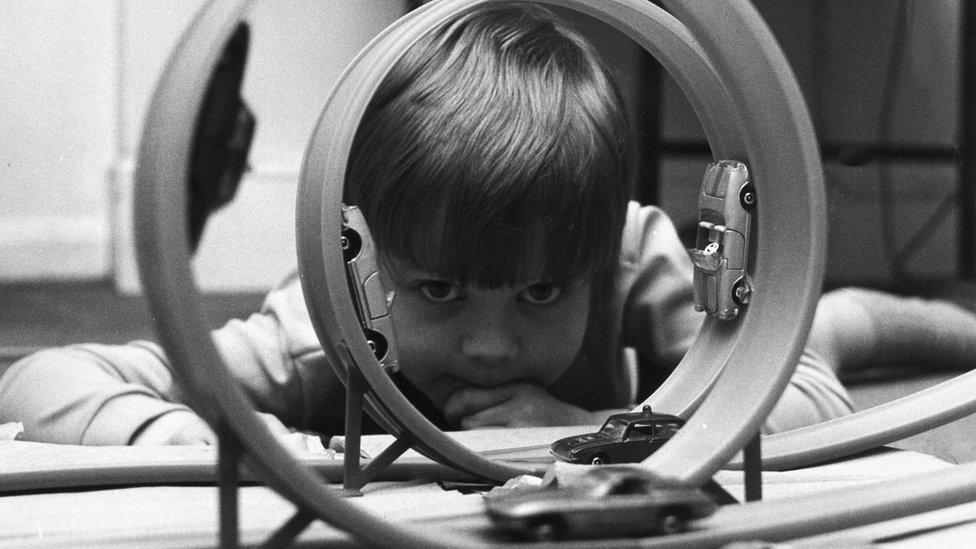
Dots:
{"x": 628, "y": 437}
{"x": 721, "y": 253}
{"x": 370, "y": 297}
{"x": 612, "y": 501}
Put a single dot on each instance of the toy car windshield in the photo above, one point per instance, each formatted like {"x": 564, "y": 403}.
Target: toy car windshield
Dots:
{"x": 614, "y": 428}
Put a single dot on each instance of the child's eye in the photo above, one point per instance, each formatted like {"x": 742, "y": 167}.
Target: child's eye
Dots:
{"x": 439, "y": 291}
{"x": 541, "y": 293}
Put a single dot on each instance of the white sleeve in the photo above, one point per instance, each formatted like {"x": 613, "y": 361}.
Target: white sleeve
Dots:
{"x": 105, "y": 394}
{"x": 813, "y": 395}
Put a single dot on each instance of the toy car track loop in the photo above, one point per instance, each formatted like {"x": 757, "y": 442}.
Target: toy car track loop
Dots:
{"x": 319, "y": 219}
{"x": 764, "y": 343}
{"x": 889, "y": 422}
{"x": 163, "y": 255}
{"x": 750, "y": 107}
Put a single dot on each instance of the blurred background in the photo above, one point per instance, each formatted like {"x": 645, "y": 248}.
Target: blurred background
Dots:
{"x": 889, "y": 83}
{"x": 882, "y": 79}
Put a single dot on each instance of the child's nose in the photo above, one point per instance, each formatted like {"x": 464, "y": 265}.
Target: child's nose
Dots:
{"x": 491, "y": 338}
{"x": 489, "y": 348}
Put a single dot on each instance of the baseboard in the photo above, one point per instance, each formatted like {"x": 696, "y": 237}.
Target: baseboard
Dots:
{"x": 55, "y": 248}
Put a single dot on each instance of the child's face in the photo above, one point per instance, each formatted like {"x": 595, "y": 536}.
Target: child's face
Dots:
{"x": 453, "y": 336}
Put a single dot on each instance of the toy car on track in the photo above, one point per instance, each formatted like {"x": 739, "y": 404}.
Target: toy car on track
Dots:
{"x": 612, "y": 501}
{"x": 624, "y": 438}
{"x": 371, "y": 300}
{"x": 721, "y": 253}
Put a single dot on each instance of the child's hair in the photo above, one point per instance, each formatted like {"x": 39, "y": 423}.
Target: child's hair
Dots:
{"x": 497, "y": 139}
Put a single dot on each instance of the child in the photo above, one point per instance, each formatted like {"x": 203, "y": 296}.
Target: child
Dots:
{"x": 493, "y": 168}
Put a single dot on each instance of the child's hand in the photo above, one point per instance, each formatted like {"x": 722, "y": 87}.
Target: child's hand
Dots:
{"x": 187, "y": 428}
{"x": 177, "y": 428}
{"x": 519, "y": 404}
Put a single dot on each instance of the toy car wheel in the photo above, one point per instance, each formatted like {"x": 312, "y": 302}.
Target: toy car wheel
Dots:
{"x": 547, "y": 528}
{"x": 599, "y": 459}
{"x": 670, "y": 522}
{"x": 741, "y": 292}
{"x": 747, "y": 197}
{"x": 351, "y": 243}
{"x": 377, "y": 343}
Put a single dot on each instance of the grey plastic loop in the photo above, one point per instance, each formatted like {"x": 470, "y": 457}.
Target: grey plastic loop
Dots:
{"x": 319, "y": 220}
{"x": 160, "y": 213}
{"x": 889, "y": 422}
{"x": 840, "y": 437}
{"x": 782, "y": 155}
{"x": 320, "y": 262}
{"x": 830, "y": 510}
{"x": 759, "y": 119}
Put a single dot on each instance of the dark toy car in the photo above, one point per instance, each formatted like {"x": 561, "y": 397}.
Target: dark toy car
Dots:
{"x": 612, "y": 501}
{"x": 624, "y": 438}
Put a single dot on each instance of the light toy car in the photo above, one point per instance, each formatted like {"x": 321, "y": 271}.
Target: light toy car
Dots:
{"x": 370, "y": 297}
{"x": 725, "y": 205}
{"x": 606, "y": 502}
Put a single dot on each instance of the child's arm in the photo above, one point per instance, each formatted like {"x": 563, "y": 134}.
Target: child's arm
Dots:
{"x": 813, "y": 395}
{"x": 100, "y": 394}
{"x": 660, "y": 321}
{"x": 90, "y": 394}
{"x": 655, "y": 289}
{"x": 859, "y": 328}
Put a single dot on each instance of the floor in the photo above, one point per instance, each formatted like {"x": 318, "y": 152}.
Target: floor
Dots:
{"x": 40, "y": 315}
{"x": 33, "y": 316}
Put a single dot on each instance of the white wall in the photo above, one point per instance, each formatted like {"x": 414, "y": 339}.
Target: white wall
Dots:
{"x": 57, "y": 137}
{"x": 76, "y": 77}
{"x": 298, "y": 49}
{"x": 76, "y": 81}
